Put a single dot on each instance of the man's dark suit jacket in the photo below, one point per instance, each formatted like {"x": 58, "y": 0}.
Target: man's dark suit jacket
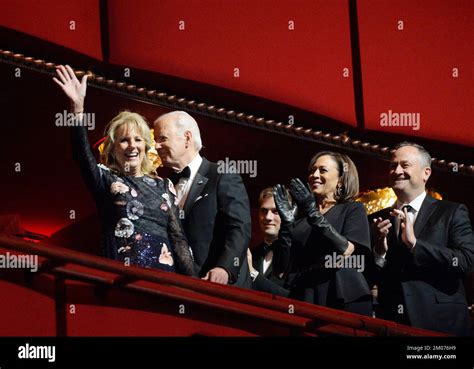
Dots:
{"x": 429, "y": 280}
{"x": 217, "y": 223}
{"x": 268, "y": 281}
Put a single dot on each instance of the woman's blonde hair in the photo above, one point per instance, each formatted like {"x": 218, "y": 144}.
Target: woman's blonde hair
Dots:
{"x": 131, "y": 119}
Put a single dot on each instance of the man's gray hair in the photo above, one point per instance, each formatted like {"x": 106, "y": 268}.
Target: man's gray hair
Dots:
{"x": 424, "y": 154}
{"x": 185, "y": 122}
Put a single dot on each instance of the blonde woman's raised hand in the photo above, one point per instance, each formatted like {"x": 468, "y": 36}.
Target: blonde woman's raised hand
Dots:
{"x": 74, "y": 90}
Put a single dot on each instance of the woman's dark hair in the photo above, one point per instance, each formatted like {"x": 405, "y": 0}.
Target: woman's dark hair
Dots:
{"x": 349, "y": 178}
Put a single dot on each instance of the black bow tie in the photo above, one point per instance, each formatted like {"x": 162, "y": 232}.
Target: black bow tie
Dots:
{"x": 185, "y": 173}
{"x": 267, "y": 247}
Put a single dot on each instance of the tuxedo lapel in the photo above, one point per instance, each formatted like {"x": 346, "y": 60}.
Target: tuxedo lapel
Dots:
{"x": 260, "y": 266}
{"x": 425, "y": 212}
{"x": 199, "y": 183}
{"x": 269, "y": 269}
{"x": 257, "y": 257}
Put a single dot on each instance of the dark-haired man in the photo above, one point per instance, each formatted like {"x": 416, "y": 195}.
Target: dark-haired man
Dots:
{"x": 261, "y": 256}
{"x": 423, "y": 248}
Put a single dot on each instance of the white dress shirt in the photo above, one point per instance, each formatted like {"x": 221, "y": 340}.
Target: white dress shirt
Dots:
{"x": 184, "y": 184}
{"x": 412, "y": 214}
{"x": 267, "y": 261}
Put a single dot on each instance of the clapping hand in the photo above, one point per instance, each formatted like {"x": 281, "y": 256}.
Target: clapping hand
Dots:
{"x": 302, "y": 196}
{"x": 406, "y": 227}
{"x": 282, "y": 203}
{"x": 382, "y": 228}
{"x": 306, "y": 202}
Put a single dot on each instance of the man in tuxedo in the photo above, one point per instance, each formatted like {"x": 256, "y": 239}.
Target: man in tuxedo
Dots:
{"x": 214, "y": 207}
{"x": 260, "y": 257}
{"x": 423, "y": 249}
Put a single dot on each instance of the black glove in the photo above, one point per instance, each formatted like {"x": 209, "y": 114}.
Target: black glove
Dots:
{"x": 302, "y": 196}
{"x": 305, "y": 201}
{"x": 282, "y": 246}
{"x": 282, "y": 203}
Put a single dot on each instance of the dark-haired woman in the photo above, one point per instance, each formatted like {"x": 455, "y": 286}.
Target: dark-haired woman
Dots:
{"x": 325, "y": 252}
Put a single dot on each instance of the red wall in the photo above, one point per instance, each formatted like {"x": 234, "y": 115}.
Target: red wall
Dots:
{"x": 410, "y": 70}
{"x": 403, "y": 71}
{"x": 302, "y": 67}
{"x": 50, "y": 20}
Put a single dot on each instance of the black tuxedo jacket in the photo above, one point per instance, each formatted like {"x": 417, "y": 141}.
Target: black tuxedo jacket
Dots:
{"x": 428, "y": 281}
{"x": 267, "y": 282}
{"x": 217, "y": 223}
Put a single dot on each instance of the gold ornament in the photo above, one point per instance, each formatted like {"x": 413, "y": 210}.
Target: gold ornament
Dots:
{"x": 381, "y": 198}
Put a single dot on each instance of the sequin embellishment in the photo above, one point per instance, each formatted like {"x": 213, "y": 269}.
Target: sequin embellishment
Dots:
{"x": 124, "y": 249}
{"x": 103, "y": 167}
{"x": 134, "y": 210}
{"x": 118, "y": 187}
{"x": 149, "y": 181}
{"x": 124, "y": 228}
{"x": 167, "y": 198}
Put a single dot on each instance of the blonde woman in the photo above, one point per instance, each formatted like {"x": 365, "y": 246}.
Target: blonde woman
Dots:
{"x": 135, "y": 206}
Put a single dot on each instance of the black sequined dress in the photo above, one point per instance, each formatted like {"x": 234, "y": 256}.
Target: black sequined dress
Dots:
{"x": 139, "y": 222}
